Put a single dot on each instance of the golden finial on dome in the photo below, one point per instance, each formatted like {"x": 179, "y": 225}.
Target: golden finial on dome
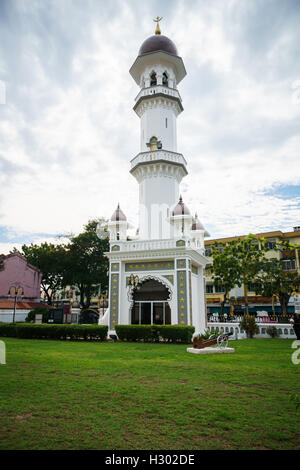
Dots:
{"x": 157, "y": 20}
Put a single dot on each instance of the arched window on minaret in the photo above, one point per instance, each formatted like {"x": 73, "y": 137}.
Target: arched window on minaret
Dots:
{"x": 165, "y": 79}
{"x": 153, "y": 79}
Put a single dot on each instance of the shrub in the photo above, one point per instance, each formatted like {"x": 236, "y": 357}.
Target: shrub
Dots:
{"x": 207, "y": 334}
{"x": 37, "y": 311}
{"x": 176, "y": 333}
{"x": 249, "y": 325}
{"x": 8, "y": 330}
{"x": 137, "y": 332}
{"x": 50, "y": 331}
{"x": 154, "y": 333}
{"x": 272, "y": 331}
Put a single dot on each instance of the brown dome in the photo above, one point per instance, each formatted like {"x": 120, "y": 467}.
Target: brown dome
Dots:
{"x": 158, "y": 42}
{"x": 181, "y": 208}
{"x": 118, "y": 215}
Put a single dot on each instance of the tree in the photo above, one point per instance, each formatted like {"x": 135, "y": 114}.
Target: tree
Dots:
{"x": 38, "y": 311}
{"x": 237, "y": 263}
{"x": 87, "y": 267}
{"x": 50, "y": 259}
{"x": 273, "y": 279}
{"x": 224, "y": 269}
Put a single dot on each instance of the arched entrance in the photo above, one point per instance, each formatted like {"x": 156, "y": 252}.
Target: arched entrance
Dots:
{"x": 150, "y": 304}
{"x": 88, "y": 315}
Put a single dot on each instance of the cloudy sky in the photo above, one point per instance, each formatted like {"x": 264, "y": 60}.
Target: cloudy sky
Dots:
{"x": 68, "y": 131}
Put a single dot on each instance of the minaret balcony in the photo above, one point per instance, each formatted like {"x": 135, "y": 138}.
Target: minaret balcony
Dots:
{"x": 158, "y": 156}
{"x": 158, "y": 92}
{"x": 158, "y": 89}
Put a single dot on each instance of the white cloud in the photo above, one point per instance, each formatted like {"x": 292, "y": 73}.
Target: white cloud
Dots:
{"x": 68, "y": 131}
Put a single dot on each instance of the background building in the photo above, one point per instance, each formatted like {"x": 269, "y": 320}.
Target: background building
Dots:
{"x": 20, "y": 286}
{"x": 215, "y": 293}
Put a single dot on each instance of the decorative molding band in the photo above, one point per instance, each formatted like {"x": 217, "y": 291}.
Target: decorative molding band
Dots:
{"x": 181, "y": 263}
{"x": 159, "y": 168}
{"x": 182, "y": 298}
{"x": 115, "y": 248}
{"x": 115, "y": 267}
{"x": 156, "y": 266}
{"x": 114, "y": 301}
{"x": 161, "y": 255}
{"x": 170, "y": 278}
{"x": 159, "y": 99}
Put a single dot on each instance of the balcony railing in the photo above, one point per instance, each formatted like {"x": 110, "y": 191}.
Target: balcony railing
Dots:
{"x": 155, "y": 155}
{"x": 284, "y": 330}
{"x": 154, "y": 90}
{"x": 146, "y": 245}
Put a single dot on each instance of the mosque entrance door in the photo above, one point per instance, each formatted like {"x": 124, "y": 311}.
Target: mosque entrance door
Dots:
{"x": 151, "y": 305}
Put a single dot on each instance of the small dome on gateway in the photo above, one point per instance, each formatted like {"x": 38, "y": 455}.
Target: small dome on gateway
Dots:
{"x": 158, "y": 42}
{"x": 181, "y": 208}
{"x": 197, "y": 225}
{"x": 118, "y": 215}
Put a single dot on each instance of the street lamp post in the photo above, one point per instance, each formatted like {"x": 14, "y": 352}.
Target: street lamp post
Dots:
{"x": 15, "y": 292}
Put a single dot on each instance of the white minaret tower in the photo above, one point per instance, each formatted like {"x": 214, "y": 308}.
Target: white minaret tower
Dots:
{"x": 158, "y": 168}
{"x": 157, "y": 277}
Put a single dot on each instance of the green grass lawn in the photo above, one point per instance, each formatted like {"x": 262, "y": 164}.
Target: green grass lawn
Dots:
{"x": 76, "y": 395}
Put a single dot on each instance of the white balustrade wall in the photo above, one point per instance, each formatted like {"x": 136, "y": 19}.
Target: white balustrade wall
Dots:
{"x": 146, "y": 245}
{"x": 284, "y": 329}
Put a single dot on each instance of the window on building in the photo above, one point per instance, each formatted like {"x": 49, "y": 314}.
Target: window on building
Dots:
{"x": 270, "y": 245}
{"x": 153, "y": 79}
{"x": 289, "y": 264}
{"x": 219, "y": 289}
{"x": 209, "y": 289}
{"x": 252, "y": 287}
{"x": 166, "y": 122}
{"x": 208, "y": 270}
{"x": 165, "y": 79}
{"x": 208, "y": 252}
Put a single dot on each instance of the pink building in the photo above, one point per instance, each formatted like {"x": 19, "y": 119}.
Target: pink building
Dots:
{"x": 16, "y": 271}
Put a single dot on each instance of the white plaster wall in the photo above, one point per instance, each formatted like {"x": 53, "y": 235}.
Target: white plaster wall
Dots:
{"x": 6, "y": 316}
{"x": 153, "y": 124}
{"x": 124, "y": 304}
{"x": 201, "y": 287}
{"x": 156, "y": 195}
{"x": 198, "y": 302}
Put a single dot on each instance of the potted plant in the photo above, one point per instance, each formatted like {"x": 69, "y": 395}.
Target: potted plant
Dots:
{"x": 248, "y": 324}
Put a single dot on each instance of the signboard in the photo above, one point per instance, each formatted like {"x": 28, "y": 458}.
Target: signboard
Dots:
{"x": 38, "y": 318}
{"x": 56, "y": 315}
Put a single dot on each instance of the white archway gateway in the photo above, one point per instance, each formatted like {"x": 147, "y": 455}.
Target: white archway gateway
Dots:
{"x": 150, "y": 301}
